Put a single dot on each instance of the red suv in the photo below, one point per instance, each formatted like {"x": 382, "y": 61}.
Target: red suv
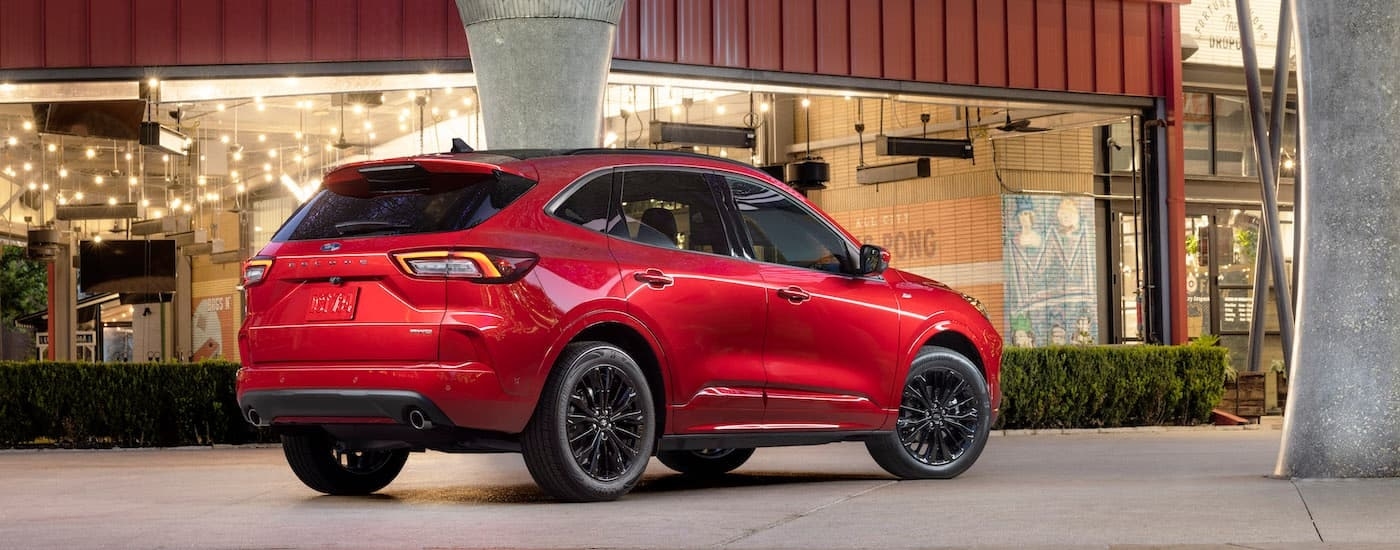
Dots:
{"x": 593, "y": 308}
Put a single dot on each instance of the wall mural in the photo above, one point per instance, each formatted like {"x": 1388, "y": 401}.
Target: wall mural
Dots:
{"x": 1051, "y": 288}
{"x": 213, "y": 328}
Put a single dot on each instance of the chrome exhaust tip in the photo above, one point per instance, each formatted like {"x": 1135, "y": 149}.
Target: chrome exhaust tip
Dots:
{"x": 418, "y": 420}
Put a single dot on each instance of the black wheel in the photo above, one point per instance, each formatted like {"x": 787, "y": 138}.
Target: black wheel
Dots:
{"x": 324, "y": 465}
{"x": 944, "y": 418}
{"x": 704, "y": 462}
{"x": 594, "y": 428}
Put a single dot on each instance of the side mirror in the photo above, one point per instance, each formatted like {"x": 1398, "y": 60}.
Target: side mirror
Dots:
{"x": 873, "y": 260}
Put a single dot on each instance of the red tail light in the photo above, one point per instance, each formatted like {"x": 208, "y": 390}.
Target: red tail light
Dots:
{"x": 255, "y": 270}
{"x": 481, "y": 265}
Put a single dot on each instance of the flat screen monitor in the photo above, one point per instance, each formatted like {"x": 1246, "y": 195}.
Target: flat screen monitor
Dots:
{"x": 135, "y": 266}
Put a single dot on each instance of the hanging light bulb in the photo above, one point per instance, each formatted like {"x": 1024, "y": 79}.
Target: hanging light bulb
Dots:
{"x": 62, "y": 172}
{"x": 52, "y": 148}
{"x": 128, "y": 156}
{"x": 132, "y": 181}
{"x": 33, "y": 186}
{"x": 28, "y": 125}
{"x": 175, "y": 202}
{"x": 28, "y": 167}
{"x": 91, "y": 153}
{"x": 806, "y": 103}
{"x": 145, "y": 202}
{"x": 99, "y": 180}
{"x": 78, "y": 195}
{"x": 224, "y": 139}
{"x": 112, "y": 201}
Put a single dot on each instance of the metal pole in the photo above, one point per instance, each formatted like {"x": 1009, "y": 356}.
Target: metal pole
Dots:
{"x": 1261, "y": 275}
{"x": 1267, "y": 175}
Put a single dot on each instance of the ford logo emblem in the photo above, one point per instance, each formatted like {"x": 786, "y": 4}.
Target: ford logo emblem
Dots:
{"x": 330, "y": 247}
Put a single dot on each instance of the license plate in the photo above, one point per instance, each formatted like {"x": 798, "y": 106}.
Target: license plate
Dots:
{"x": 332, "y": 305}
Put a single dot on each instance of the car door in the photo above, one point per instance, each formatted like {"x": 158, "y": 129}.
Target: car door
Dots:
{"x": 832, "y": 336}
{"x": 706, "y": 307}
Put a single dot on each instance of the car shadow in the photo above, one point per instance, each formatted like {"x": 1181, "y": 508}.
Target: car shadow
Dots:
{"x": 661, "y": 485}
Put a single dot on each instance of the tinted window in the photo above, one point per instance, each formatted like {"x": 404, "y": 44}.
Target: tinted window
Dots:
{"x": 589, "y": 205}
{"x": 783, "y": 232}
{"x": 672, "y": 208}
{"x": 460, "y": 205}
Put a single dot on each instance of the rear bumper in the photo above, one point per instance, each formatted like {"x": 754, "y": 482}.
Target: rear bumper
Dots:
{"x": 463, "y": 396}
{"x": 310, "y": 406}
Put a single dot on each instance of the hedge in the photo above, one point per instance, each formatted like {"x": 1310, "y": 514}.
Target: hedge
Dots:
{"x": 1111, "y": 386}
{"x": 69, "y": 404}
{"x": 172, "y": 404}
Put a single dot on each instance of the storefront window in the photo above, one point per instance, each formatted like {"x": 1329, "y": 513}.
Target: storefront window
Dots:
{"x": 1234, "y": 152}
{"x": 1197, "y": 123}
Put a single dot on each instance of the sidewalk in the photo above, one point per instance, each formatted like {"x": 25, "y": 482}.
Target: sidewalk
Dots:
{"x": 1195, "y": 488}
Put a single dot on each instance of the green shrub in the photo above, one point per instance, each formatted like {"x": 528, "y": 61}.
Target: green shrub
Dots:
{"x": 171, "y": 404}
{"x": 1110, "y": 386}
{"x": 120, "y": 404}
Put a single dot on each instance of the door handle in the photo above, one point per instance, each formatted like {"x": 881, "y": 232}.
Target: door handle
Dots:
{"x": 654, "y": 278}
{"x": 794, "y": 294}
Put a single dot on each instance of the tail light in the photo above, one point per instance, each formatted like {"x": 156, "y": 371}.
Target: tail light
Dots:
{"x": 481, "y": 265}
{"x": 255, "y": 270}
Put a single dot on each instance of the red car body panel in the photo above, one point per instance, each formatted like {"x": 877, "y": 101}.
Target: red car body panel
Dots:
{"x": 733, "y": 353}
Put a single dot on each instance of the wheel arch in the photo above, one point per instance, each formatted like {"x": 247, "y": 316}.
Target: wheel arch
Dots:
{"x": 640, "y": 348}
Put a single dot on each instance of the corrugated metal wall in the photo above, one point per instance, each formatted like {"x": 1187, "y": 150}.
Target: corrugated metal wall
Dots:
{"x": 1102, "y": 46}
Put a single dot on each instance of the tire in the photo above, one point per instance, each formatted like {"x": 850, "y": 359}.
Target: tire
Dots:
{"x": 323, "y": 466}
{"x": 944, "y": 419}
{"x": 594, "y": 428}
{"x": 706, "y": 462}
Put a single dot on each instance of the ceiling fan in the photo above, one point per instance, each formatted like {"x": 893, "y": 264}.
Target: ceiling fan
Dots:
{"x": 1023, "y": 125}
{"x": 342, "y": 143}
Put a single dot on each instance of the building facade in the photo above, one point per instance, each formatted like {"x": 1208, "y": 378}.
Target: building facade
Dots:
{"x": 1063, "y": 220}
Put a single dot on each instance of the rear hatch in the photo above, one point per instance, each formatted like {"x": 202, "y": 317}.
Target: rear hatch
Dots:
{"x": 357, "y": 276}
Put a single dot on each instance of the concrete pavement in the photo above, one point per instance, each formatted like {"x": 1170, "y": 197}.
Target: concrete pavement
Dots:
{"x": 1173, "y": 488}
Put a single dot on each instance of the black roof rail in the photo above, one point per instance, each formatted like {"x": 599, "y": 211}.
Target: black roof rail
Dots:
{"x": 526, "y": 154}
{"x": 656, "y": 152}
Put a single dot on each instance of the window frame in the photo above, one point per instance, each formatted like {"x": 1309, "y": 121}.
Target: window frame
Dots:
{"x": 746, "y": 240}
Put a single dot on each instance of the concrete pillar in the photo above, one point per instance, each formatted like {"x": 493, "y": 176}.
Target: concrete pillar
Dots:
{"x": 1343, "y": 411}
{"x": 541, "y": 68}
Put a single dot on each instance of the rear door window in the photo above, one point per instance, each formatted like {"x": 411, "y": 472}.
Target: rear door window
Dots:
{"x": 452, "y": 202}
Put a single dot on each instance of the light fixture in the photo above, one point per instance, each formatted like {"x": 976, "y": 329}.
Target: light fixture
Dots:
{"x": 12, "y": 141}
{"x": 28, "y": 125}
{"x": 91, "y": 153}
{"x": 33, "y": 186}
{"x": 52, "y": 148}
{"x": 112, "y": 201}
{"x": 918, "y": 168}
{"x": 132, "y": 181}
{"x": 923, "y": 147}
{"x": 62, "y": 172}
{"x": 806, "y": 102}
{"x": 702, "y": 134}
{"x": 158, "y": 136}
{"x": 99, "y": 180}
{"x": 28, "y": 167}
{"x": 78, "y": 195}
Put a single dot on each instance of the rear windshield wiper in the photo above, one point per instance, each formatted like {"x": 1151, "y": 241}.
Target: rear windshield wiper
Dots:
{"x": 361, "y": 227}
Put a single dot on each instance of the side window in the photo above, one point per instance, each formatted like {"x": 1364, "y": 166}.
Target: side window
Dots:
{"x": 672, "y": 209}
{"x": 782, "y": 232}
{"x": 589, "y": 205}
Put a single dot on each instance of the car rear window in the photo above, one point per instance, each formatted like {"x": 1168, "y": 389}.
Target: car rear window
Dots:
{"x": 464, "y": 202}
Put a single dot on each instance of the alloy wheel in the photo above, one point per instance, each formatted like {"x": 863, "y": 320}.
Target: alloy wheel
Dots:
{"x": 605, "y": 423}
{"x": 938, "y": 416}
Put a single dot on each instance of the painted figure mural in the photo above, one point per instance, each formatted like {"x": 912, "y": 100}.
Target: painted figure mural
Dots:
{"x": 1051, "y": 290}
